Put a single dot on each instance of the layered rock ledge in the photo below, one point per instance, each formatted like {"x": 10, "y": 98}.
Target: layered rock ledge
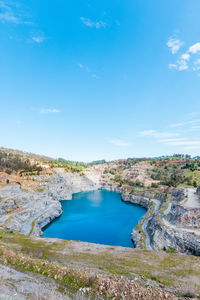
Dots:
{"x": 28, "y": 211}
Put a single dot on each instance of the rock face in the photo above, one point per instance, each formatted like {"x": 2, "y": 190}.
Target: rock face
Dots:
{"x": 136, "y": 235}
{"x": 63, "y": 185}
{"x": 198, "y": 190}
{"x": 172, "y": 230}
{"x": 163, "y": 237}
{"x": 175, "y": 213}
{"x": 29, "y": 211}
{"x": 144, "y": 202}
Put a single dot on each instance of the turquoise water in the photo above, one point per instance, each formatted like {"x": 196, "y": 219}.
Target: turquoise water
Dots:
{"x": 96, "y": 217}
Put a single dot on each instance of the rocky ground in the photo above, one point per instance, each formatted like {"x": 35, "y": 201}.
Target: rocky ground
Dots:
{"x": 18, "y": 285}
{"x": 75, "y": 269}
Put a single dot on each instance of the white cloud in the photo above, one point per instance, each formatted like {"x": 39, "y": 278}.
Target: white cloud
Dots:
{"x": 4, "y": 5}
{"x": 195, "y": 127}
{"x": 194, "y": 48}
{"x": 176, "y": 125}
{"x": 182, "y": 65}
{"x": 183, "y": 143}
{"x": 38, "y": 39}
{"x": 88, "y": 70}
{"x": 174, "y": 45}
{"x": 174, "y": 139}
{"x": 149, "y": 132}
{"x": 184, "y": 62}
{"x": 119, "y": 143}
{"x": 80, "y": 65}
{"x": 181, "y": 124}
{"x": 9, "y": 13}
{"x": 180, "y": 142}
{"x": 168, "y": 141}
{"x": 185, "y": 56}
{"x": 95, "y": 76}
{"x": 192, "y": 148}
{"x": 49, "y": 111}
{"x": 87, "y": 22}
{"x": 7, "y": 17}
{"x": 172, "y": 66}
{"x": 196, "y": 66}
{"x": 157, "y": 134}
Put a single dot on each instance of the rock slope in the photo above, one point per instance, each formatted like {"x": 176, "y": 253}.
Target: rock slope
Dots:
{"x": 28, "y": 211}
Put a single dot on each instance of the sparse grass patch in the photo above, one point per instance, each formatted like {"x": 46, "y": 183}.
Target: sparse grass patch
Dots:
{"x": 40, "y": 190}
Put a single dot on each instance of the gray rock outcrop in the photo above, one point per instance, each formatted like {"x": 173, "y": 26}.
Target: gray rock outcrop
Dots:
{"x": 29, "y": 211}
{"x": 198, "y": 191}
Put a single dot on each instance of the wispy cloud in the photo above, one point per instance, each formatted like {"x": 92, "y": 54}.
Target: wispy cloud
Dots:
{"x": 4, "y": 5}
{"x": 119, "y": 143}
{"x": 157, "y": 134}
{"x": 84, "y": 67}
{"x": 190, "y": 148}
{"x": 183, "y": 142}
{"x": 38, "y": 39}
{"x": 177, "y": 125}
{"x": 182, "y": 136}
{"x": 174, "y": 45}
{"x": 49, "y": 111}
{"x": 95, "y": 76}
{"x": 14, "y": 12}
{"x": 88, "y": 70}
{"x": 10, "y": 14}
{"x": 181, "y": 124}
{"x": 195, "y": 127}
{"x": 172, "y": 66}
{"x": 80, "y": 65}
{"x": 7, "y": 17}
{"x": 171, "y": 140}
{"x": 87, "y": 22}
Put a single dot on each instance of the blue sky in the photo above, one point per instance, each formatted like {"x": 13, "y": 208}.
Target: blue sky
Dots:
{"x": 93, "y": 79}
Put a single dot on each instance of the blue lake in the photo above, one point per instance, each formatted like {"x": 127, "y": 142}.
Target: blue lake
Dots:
{"x": 96, "y": 217}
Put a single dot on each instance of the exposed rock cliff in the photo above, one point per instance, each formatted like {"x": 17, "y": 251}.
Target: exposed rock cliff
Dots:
{"x": 29, "y": 211}
{"x": 163, "y": 237}
{"x": 170, "y": 229}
